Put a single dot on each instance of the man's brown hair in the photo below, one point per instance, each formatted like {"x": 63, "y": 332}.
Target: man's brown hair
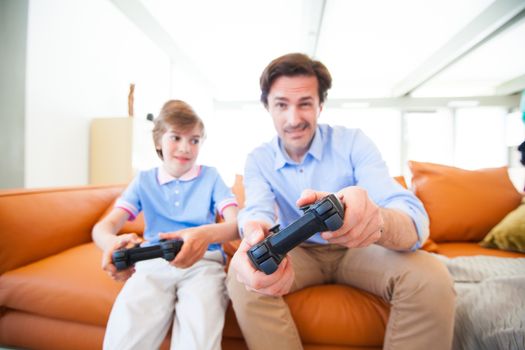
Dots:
{"x": 177, "y": 114}
{"x": 294, "y": 64}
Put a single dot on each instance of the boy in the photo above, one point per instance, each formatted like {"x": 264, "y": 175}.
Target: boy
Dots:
{"x": 179, "y": 199}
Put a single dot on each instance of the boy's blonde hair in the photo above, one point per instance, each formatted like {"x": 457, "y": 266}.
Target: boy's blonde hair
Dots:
{"x": 177, "y": 114}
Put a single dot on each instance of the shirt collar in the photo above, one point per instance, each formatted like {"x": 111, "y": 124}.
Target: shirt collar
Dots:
{"x": 282, "y": 158}
{"x": 164, "y": 177}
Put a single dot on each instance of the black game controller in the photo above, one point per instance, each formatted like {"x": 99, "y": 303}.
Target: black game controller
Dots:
{"x": 167, "y": 249}
{"x": 324, "y": 215}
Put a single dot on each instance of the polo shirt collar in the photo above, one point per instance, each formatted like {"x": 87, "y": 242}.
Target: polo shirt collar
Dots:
{"x": 282, "y": 158}
{"x": 164, "y": 177}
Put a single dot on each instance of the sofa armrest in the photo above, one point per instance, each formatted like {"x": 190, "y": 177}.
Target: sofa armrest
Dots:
{"x": 38, "y": 223}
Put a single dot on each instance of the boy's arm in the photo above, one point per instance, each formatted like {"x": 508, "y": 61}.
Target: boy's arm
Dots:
{"x": 105, "y": 231}
{"x": 227, "y": 230}
{"x": 197, "y": 239}
{"x": 105, "y": 237}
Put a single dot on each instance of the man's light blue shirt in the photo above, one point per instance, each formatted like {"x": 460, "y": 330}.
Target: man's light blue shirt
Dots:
{"x": 338, "y": 157}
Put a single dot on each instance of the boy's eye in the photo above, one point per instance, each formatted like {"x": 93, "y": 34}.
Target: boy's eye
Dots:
{"x": 175, "y": 138}
{"x": 195, "y": 141}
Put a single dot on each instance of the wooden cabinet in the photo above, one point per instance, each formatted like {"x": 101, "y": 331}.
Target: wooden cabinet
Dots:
{"x": 111, "y": 151}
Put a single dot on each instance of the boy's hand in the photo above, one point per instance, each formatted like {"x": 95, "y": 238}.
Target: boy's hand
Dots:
{"x": 196, "y": 241}
{"x": 127, "y": 240}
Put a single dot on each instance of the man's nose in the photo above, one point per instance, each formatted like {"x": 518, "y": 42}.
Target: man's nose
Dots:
{"x": 292, "y": 116}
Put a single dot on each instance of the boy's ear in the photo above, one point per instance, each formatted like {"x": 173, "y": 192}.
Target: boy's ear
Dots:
{"x": 159, "y": 153}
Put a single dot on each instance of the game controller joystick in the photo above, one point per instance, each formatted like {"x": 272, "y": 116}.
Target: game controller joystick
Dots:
{"x": 324, "y": 215}
{"x": 167, "y": 249}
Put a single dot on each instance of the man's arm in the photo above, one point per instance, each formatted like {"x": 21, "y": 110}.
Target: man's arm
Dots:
{"x": 405, "y": 219}
{"x": 260, "y": 200}
{"x": 399, "y": 232}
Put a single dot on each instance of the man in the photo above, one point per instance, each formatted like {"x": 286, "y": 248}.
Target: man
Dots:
{"x": 384, "y": 224}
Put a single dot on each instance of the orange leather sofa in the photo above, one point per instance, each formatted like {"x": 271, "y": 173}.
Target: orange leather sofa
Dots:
{"x": 54, "y": 294}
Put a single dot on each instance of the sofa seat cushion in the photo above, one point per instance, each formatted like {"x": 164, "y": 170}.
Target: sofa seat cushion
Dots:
{"x": 22, "y": 330}
{"x": 456, "y": 249}
{"x": 339, "y": 315}
{"x": 331, "y": 314}
{"x": 69, "y": 286}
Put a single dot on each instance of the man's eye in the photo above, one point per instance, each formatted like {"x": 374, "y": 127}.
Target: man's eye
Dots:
{"x": 280, "y": 105}
{"x": 305, "y": 104}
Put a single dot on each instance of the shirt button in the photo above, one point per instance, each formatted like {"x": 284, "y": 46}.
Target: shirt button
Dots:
{"x": 177, "y": 191}
{"x": 177, "y": 204}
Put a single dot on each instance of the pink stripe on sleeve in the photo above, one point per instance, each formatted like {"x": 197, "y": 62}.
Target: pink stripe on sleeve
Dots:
{"x": 131, "y": 215}
{"x": 227, "y": 204}
{"x": 129, "y": 208}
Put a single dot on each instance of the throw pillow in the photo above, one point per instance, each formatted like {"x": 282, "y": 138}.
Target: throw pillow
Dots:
{"x": 509, "y": 234}
{"x": 463, "y": 205}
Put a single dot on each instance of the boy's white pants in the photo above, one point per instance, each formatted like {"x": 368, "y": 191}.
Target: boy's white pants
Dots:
{"x": 158, "y": 295}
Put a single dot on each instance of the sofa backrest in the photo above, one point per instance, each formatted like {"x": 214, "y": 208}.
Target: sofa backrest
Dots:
{"x": 38, "y": 223}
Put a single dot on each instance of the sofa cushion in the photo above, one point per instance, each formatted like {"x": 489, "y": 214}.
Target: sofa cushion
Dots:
{"x": 509, "y": 234}
{"x": 463, "y": 205}
{"x": 339, "y": 315}
{"x": 69, "y": 286}
{"x": 22, "y": 330}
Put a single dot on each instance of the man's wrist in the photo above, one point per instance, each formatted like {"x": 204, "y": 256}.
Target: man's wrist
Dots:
{"x": 398, "y": 230}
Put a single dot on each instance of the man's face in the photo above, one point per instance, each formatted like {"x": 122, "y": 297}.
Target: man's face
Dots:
{"x": 293, "y": 103}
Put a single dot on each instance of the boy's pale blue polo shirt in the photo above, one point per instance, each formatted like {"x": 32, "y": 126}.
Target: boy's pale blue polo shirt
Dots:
{"x": 337, "y": 158}
{"x": 171, "y": 204}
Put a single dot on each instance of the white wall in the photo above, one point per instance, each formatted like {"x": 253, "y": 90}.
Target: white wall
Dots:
{"x": 13, "y": 32}
{"x": 232, "y": 135}
{"x": 81, "y": 58}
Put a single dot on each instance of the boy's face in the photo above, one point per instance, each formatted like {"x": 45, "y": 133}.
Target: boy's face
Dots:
{"x": 180, "y": 149}
{"x": 294, "y": 105}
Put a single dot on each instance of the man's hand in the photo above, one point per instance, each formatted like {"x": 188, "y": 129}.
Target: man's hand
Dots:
{"x": 196, "y": 241}
{"x": 276, "y": 284}
{"x": 363, "y": 223}
{"x": 127, "y": 240}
